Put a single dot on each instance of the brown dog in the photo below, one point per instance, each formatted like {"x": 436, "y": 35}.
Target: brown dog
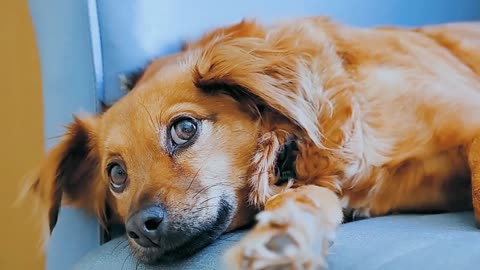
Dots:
{"x": 303, "y": 120}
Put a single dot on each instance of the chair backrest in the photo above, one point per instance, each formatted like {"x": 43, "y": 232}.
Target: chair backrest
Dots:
{"x": 85, "y": 45}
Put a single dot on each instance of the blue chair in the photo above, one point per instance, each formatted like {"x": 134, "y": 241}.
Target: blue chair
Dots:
{"x": 85, "y": 45}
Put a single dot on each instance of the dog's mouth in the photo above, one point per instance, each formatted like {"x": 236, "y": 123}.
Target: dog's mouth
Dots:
{"x": 181, "y": 244}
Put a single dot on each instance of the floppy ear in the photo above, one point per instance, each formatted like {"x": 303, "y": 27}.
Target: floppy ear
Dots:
{"x": 270, "y": 73}
{"x": 70, "y": 173}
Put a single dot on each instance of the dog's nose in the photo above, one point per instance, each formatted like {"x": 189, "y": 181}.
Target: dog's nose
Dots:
{"x": 144, "y": 226}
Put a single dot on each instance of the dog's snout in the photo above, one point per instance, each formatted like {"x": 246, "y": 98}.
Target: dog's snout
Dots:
{"x": 144, "y": 227}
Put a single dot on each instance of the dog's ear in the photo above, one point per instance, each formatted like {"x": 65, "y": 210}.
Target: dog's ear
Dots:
{"x": 70, "y": 173}
{"x": 270, "y": 73}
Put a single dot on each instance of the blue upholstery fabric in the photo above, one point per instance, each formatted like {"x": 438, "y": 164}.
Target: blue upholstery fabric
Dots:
{"x": 85, "y": 45}
{"x": 70, "y": 81}
{"x": 428, "y": 242}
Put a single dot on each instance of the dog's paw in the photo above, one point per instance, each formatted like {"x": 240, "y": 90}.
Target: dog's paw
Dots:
{"x": 279, "y": 242}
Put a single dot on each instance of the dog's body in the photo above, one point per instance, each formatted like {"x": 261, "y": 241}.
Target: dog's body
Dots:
{"x": 384, "y": 119}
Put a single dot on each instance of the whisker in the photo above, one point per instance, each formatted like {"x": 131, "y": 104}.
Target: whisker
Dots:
{"x": 154, "y": 125}
{"x": 126, "y": 259}
{"x": 198, "y": 171}
{"x": 125, "y": 246}
{"x": 206, "y": 200}
{"x": 54, "y": 137}
{"x": 137, "y": 264}
{"x": 206, "y": 188}
{"x": 200, "y": 209}
{"x": 194, "y": 177}
{"x": 118, "y": 245}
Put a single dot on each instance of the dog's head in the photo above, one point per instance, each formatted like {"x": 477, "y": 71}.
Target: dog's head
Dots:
{"x": 189, "y": 152}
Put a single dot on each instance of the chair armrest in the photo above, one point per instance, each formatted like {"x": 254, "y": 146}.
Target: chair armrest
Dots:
{"x": 70, "y": 79}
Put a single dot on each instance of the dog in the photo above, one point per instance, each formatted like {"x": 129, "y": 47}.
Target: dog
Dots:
{"x": 293, "y": 127}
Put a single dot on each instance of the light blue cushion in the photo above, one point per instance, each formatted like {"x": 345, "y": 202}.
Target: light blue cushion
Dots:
{"x": 404, "y": 242}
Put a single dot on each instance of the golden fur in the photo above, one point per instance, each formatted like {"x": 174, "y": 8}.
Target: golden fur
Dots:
{"x": 384, "y": 120}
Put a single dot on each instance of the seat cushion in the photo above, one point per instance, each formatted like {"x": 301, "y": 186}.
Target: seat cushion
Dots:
{"x": 436, "y": 241}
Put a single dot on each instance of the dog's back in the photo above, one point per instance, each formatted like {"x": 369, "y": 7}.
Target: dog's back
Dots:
{"x": 462, "y": 39}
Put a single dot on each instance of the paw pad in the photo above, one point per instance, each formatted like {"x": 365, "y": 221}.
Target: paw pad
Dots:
{"x": 281, "y": 243}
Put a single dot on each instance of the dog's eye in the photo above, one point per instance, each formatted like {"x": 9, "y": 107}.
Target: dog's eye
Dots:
{"x": 183, "y": 130}
{"x": 118, "y": 177}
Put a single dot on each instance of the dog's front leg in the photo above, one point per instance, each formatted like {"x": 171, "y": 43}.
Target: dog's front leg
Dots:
{"x": 293, "y": 232}
{"x": 474, "y": 163}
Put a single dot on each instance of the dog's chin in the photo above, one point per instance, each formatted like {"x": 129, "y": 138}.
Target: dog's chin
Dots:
{"x": 182, "y": 244}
